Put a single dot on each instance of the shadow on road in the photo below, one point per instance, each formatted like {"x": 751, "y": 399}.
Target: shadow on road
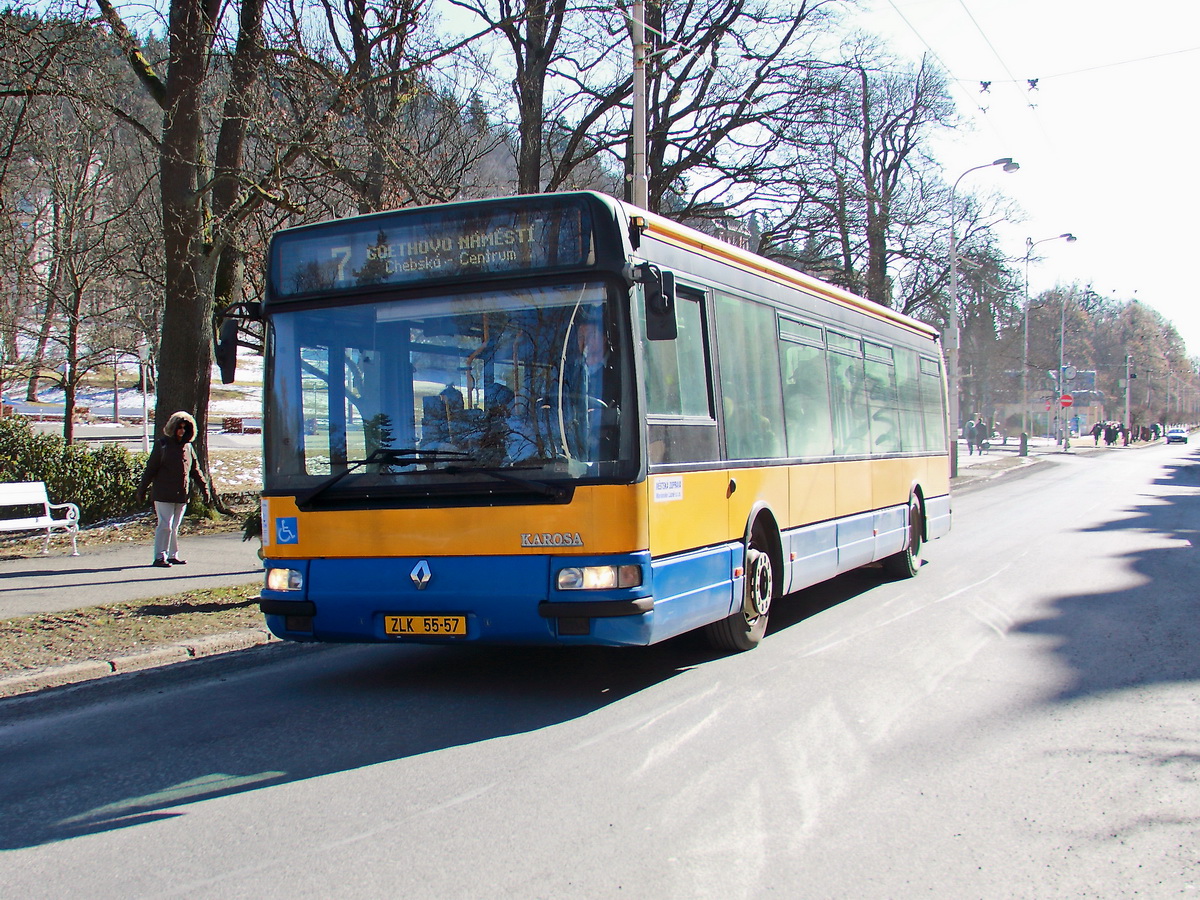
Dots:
{"x": 106, "y": 760}
{"x": 136, "y": 750}
{"x": 1145, "y": 635}
{"x": 100, "y": 759}
{"x": 133, "y": 750}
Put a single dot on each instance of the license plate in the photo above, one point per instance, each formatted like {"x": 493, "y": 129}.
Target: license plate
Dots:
{"x": 426, "y": 626}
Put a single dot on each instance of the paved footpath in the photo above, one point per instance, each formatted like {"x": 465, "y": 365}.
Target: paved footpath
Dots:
{"x": 119, "y": 573}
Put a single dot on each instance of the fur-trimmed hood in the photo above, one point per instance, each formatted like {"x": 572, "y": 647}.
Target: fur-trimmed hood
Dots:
{"x": 178, "y": 418}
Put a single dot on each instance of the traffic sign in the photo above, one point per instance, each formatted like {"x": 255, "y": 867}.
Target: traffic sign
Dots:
{"x": 1066, "y": 400}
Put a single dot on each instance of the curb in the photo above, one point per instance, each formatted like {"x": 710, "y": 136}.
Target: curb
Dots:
{"x": 80, "y": 672}
{"x": 1005, "y": 464}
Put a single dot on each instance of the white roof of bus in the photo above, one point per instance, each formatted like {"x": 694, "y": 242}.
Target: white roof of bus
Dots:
{"x": 689, "y": 238}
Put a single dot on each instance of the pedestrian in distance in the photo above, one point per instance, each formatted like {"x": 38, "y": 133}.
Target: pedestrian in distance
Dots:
{"x": 969, "y": 431}
{"x": 171, "y": 469}
{"x": 983, "y": 435}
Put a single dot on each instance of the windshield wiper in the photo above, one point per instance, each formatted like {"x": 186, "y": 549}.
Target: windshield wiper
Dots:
{"x": 388, "y": 456}
{"x": 538, "y": 486}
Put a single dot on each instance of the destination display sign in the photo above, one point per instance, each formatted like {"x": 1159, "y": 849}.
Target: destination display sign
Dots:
{"x": 409, "y": 246}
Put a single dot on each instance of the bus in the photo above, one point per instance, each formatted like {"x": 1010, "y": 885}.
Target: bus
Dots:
{"x": 559, "y": 419}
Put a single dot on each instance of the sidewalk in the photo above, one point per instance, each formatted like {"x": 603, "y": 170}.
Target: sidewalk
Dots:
{"x": 1002, "y": 458}
{"x": 120, "y": 573}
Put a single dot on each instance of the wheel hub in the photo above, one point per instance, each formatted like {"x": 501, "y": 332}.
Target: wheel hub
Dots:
{"x": 760, "y": 584}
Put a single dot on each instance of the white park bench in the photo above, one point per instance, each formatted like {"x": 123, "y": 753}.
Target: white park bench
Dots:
{"x": 33, "y": 493}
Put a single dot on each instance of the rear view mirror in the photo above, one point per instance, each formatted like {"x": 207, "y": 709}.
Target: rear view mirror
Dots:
{"x": 659, "y": 289}
{"x": 227, "y": 343}
{"x": 226, "y": 350}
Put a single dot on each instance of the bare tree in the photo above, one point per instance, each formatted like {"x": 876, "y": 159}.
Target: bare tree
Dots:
{"x": 372, "y": 104}
{"x": 866, "y": 203}
{"x": 533, "y": 31}
{"x": 202, "y": 203}
{"x": 69, "y": 186}
{"x": 721, "y": 76}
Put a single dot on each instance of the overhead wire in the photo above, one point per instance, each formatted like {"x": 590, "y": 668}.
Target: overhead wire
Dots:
{"x": 959, "y": 82}
{"x": 970, "y": 97}
{"x": 1085, "y": 70}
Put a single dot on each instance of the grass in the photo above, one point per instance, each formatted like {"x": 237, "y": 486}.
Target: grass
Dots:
{"x": 36, "y": 642}
{"x": 30, "y": 643}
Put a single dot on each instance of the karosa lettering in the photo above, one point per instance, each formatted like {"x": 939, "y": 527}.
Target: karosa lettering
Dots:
{"x": 552, "y": 539}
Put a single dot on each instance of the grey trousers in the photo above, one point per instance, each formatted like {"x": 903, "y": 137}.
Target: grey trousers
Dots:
{"x": 166, "y": 535}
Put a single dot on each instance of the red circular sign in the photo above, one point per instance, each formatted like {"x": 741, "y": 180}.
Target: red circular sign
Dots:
{"x": 1066, "y": 400}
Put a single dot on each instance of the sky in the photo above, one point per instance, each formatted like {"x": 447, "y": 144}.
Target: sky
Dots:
{"x": 1107, "y": 141}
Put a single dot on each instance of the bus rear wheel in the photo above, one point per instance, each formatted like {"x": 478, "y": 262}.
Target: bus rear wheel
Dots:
{"x": 907, "y": 562}
{"x": 745, "y": 628}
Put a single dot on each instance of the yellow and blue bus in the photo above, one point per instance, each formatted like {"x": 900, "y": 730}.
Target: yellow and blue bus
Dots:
{"x": 559, "y": 419}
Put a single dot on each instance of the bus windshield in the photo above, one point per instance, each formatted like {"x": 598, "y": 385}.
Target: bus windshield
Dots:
{"x": 495, "y": 392}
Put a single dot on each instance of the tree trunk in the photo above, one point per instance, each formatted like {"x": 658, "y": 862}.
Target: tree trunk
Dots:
{"x": 53, "y": 279}
{"x": 185, "y": 353}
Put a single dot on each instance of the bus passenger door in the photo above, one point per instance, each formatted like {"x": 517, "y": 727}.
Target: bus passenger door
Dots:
{"x": 752, "y": 414}
{"x": 687, "y": 482}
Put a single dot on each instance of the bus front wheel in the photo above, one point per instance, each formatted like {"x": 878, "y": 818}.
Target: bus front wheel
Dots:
{"x": 745, "y": 628}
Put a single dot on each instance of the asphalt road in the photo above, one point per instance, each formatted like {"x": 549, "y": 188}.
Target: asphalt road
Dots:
{"x": 1018, "y": 721}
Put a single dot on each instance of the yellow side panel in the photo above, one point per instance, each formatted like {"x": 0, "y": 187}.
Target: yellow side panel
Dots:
{"x": 762, "y": 484}
{"x": 852, "y": 486}
{"x": 812, "y": 494}
{"x": 894, "y": 479}
{"x": 687, "y": 511}
{"x": 875, "y": 484}
{"x": 600, "y": 519}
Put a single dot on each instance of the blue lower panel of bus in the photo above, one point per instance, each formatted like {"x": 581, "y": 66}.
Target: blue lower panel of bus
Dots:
{"x": 937, "y": 516}
{"x": 818, "y": 552}
{"x": 500, "y": 599}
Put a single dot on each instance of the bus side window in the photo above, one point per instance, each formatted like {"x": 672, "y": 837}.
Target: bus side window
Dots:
{"x": 881, "y": 398}
{"x": 677, "y": 389}
{"x": 751, "y": 385}
{"x": 676, "y": 373}
{"x": 806, "y": 400}
{"x": 908, "y": 400}
{"x": 933, "y": 402}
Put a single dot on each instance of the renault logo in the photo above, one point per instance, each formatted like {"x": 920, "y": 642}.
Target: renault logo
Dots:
{"x": 420, "y": 575}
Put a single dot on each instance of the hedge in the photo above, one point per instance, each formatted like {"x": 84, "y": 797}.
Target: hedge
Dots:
{"x": 103, "y": 482}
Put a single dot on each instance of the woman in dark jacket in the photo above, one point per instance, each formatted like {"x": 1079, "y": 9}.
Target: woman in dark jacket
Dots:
{"x": 170, "y": 470}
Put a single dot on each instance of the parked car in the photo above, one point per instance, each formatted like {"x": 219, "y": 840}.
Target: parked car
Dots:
{"x": 1177, "y": 436}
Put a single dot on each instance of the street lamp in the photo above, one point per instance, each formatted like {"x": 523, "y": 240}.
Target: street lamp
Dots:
{"x": 1030, "y": 243}
{"x": 951, "y": 342}
{"x": 1059, "y": 436}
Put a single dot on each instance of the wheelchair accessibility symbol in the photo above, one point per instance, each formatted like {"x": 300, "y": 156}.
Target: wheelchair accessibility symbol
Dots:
{"x": 287, "y": 531}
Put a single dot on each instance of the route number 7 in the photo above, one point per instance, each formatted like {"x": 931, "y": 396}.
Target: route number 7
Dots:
{"x": 342, "y": 255}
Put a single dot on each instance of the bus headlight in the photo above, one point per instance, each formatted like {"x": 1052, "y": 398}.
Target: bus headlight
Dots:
{"x": 597, "y": 578}
{"x": 284, "y": 580}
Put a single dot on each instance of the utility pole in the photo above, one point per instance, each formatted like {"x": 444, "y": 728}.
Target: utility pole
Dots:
{"x": 1128, "y": 362}
{"x": 641, "y": 182}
